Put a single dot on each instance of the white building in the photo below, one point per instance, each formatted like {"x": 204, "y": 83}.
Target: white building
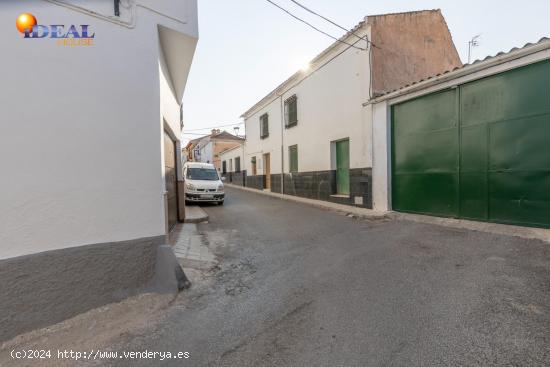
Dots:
{"x": 470, "y": 143}
{"x": 207, "y": 149}
{"x": 90, "y": 151}
{"x": 311, "y": 137}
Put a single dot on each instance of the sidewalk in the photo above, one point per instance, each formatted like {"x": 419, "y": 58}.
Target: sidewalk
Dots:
{"x": 195, "y": 214}
{"x": 346, "y": 209}
{"x": 190, "y": 248}
{"x": 495, "y": 228}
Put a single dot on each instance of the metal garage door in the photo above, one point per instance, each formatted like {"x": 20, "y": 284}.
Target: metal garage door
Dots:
{"x": 480, "y": 151}
{"x": 171, "y": 183}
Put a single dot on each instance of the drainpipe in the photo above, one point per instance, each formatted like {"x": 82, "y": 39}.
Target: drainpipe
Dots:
{"x": 282, "y": 148}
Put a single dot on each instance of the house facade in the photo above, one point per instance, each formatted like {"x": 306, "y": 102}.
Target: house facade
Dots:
{"x": 310, "y": 136}
{"x": 232, "y": 161}
{"x": 207, "y": 149}
{"x": 92, "y": 167}
{"x": 470, "y": 143}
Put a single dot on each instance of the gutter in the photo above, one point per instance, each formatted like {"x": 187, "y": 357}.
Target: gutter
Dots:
{"x": 464, "y": 71}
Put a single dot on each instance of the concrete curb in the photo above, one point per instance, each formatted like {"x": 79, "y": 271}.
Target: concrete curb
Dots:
{"x": 195, "y": 214}
{"x": 346, "y": 209}
{"x": 495, "y": 228}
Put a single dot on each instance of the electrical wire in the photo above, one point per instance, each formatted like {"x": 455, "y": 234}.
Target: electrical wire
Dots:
{"x": 331, "y": 22}
{"x": 215, "y": 127}
{"x": 312, "y": 26}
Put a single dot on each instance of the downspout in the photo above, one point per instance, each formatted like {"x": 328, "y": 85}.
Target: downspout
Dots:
{"x": 282, "y": 148}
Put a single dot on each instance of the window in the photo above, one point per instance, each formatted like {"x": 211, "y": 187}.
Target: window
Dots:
{"x": 291, "y": 111}
{"x": 206, "y": 174}
{"x": 224, "y": 167}
{"x": 237, "y": 164}
{"x": 293, "y": 158}
{"x": 264, "y": 126}
{"x": 253, "y": 164}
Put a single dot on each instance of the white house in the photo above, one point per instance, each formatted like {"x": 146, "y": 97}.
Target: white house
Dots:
{"x": 90, "y": 151}
{"x": 470, "y": 143}
{"x": 311, "y": 137}
{"x": 207, "y": 149}
{"x": 233, "y": 165}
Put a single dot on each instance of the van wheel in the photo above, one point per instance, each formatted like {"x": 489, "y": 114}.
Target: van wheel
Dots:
{"x": 220, "y": 202}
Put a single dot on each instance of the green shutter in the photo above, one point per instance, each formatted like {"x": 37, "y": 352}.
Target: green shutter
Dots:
{"x": 291, "y": 111}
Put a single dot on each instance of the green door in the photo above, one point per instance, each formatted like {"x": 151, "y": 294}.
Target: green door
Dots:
{"x": 479, "y": 151}
{"x": 342, "y": 167}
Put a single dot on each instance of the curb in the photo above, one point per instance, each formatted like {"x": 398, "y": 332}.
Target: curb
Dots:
{"x": 195, "y": 214}
{"x": 326, "y": 205}
{"x": 495, "y": 228}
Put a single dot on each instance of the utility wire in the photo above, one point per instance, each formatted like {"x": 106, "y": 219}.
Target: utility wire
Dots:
{"x": 331, "y": 22}
{"x": 312, "y": 26}
{"x": 215, "y": 127}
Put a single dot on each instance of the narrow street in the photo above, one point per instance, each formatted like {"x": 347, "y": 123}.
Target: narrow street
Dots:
{"x": 300, "y": 286}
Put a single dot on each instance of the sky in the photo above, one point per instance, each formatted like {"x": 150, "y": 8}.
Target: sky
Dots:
{"x": 247, "y": 48}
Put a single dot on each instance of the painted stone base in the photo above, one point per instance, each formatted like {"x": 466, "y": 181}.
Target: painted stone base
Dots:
{"x": 256, "y": 182}
{"x": 319, "y": 185}
{"x": 43, "y": 289}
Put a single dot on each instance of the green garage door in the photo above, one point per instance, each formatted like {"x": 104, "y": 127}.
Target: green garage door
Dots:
{"x": 480, "y": 151}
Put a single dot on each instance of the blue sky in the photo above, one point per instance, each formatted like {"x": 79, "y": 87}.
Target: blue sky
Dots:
{"x": 248, "y": 47}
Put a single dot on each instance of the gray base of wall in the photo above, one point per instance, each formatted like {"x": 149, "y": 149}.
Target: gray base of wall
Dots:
{"x": 320, "y": 185}
{"x": 255, "y": 182}
{"x": 42, "y": 289}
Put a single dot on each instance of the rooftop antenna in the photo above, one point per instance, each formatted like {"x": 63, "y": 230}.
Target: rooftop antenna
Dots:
{"x": 474, "y": 42}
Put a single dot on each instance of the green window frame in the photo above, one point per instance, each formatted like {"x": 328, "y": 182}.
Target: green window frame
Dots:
{"x": 264, "y": 126}
{"x": 291, "y": 111}
{"x": 293, "y": 158}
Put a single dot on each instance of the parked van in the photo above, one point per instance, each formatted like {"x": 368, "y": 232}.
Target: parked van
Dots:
{"x": 202, "y": 183}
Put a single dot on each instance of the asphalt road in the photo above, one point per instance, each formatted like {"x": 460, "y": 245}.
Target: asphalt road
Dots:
{"x": 300, "y": 286}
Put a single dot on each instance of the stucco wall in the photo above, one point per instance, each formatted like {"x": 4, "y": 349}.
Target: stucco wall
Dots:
{"x": 81, "y": 142}
{"x": 232, "y": 154}
{"x": 329, "y": 109}
{"x": 219, "y": 147}
{"x": 410, "y": 47}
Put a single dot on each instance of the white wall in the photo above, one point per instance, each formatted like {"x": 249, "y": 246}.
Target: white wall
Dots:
{"x": 256, "y": 147}
{"x": 329, "y": 108}
{"x": 381, "y": 169}
{"x": 80, "y": 137}
{"x": 206, "y": 151}
{"x": 232, "y": 154}
{"x": 381, "y": 180}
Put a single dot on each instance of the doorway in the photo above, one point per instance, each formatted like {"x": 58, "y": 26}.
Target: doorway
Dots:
{"x": 342, "y": 167}
{"x": 171, "y": 183}
{"x": 267, "y": 171}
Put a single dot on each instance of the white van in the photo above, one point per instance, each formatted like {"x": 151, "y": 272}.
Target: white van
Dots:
{"x": 202, "y": 183}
